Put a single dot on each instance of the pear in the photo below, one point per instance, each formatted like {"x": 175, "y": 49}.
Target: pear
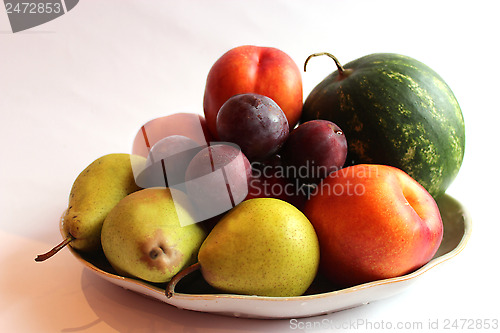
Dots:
{"x": 263, "y": 247}
{"x": 96, "y": 190}
{"x": 151, "y": 236}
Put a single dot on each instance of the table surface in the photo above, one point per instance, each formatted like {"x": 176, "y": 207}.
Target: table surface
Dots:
{"x": 80, "y": 86}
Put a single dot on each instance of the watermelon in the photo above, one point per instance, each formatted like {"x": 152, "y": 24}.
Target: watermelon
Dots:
{"x": 394, "y": 110}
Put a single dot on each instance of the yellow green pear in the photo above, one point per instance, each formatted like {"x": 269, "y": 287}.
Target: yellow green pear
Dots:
{"x": 150, "y": 236}
{"x": 96, "y": 190}
{"x": 263, "y": 247}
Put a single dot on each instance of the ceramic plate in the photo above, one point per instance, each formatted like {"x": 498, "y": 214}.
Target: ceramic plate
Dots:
{"x": 192, "y": 293}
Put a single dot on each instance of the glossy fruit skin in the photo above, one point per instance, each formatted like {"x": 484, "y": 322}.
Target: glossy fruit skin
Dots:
{"x": 373, "y": 222}
{"x": 396, "y": 111}
{"x": 255, "y": 123}
{"x": 96, "y": 190}
{"x": 149, "y": 221}
{"x": 318, "y": 146}
{"x": 263, "y": 247}
{"x": 252, "y": 69}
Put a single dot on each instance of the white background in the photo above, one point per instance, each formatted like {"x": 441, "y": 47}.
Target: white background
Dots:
{"x": 81, "y": 86}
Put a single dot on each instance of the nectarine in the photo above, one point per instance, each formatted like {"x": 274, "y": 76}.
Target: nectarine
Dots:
{"x": 252, "y": 69}
{"x": 373, "y": 222}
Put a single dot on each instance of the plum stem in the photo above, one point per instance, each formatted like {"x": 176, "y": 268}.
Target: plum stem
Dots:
{"x": 55, "y": 249}
{"x": 337, "y": 62}
{"x": 169, "y": 291}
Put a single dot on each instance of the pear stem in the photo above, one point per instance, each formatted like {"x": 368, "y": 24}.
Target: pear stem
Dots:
{"x": 57, "y": 248}
{"x": 169, "y": 291}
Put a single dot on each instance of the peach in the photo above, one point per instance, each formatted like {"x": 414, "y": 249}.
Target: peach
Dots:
{"x": 266, "y": 71}
{"x": 373, "y": 222}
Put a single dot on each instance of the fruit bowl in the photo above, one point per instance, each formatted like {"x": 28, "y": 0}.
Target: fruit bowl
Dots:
{"x": 192, "y": 293}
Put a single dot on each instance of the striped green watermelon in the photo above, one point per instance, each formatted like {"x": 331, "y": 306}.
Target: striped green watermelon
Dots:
{"x": 394, "y": 110}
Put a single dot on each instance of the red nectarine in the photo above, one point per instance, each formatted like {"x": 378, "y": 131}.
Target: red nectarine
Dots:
{"x": 251, "y": 69}
{"x": 373, "y": 222}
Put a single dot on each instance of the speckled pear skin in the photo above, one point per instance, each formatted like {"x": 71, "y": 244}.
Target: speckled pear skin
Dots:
{"x": 142, "y": 236}
{"x": 96, "y": 190}
{"x": 263, "y": 247}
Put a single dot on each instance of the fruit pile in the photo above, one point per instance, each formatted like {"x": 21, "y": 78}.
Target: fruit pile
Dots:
{"x": 265, "y": 192}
